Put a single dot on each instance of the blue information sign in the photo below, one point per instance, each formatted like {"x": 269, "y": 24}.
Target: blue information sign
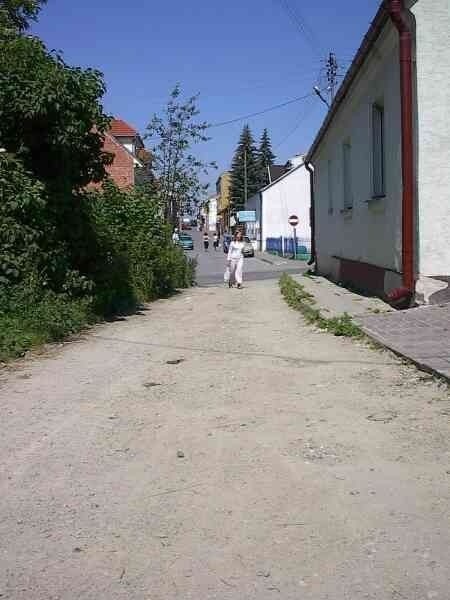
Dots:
{"x": 246, "y": 216}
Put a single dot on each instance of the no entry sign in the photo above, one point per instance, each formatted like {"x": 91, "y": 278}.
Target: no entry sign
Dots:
{"x": 293, "y": 220}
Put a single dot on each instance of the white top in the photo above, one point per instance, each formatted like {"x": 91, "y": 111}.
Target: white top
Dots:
{"x": 235, "y": 250}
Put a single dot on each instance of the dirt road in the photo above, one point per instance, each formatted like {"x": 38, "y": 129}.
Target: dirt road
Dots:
{"x": 273, "y": 461}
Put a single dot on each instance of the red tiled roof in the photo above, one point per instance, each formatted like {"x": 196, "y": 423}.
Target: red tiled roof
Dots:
{"x": 119, "y": 128}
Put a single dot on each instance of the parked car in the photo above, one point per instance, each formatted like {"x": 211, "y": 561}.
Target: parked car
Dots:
{"x": 226, "y": 242}
{"x": 248, "y": 251}
{"x": 186, "y": 242}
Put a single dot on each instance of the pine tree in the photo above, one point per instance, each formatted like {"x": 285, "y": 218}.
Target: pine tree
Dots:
{"x": 265, "y": 158}
{"x": 244, "y": 166}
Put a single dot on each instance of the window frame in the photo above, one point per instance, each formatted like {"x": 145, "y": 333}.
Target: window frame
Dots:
{"x": 347, "y": 183}
{"x": 330, "y": 186}
{"x": 378, "y": 154}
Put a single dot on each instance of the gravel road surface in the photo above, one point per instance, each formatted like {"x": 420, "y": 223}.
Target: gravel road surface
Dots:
{"x": 214, "y": 446}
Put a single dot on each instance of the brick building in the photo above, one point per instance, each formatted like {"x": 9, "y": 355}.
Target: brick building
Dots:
{"x": 125, "y": 144}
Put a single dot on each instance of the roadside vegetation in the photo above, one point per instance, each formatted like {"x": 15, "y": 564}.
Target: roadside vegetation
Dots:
{"x": 298, "y": 298}
{"x": 69, "y": 256}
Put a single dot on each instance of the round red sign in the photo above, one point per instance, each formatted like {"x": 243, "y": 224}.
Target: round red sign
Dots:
{"x": 293, "y": 220}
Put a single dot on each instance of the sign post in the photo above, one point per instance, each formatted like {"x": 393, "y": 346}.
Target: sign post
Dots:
{"x": 293, "y": 222}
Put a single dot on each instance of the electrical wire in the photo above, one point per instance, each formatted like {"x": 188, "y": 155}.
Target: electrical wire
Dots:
{"x": 305, "y": 112}
{"x": 301, "y": 25}
{"x": 261, "y": 112}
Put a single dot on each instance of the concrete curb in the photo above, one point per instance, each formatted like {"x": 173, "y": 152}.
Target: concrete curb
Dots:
{"x": 415, "y": 361}
{"x": 275, "y": 260}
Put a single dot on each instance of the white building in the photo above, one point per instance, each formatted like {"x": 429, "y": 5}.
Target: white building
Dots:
{"x": 212, "y": 213}
{"x": 382, "y": 159}
{"x": 273, "y": 205}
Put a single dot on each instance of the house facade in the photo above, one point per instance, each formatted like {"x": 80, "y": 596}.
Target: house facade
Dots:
{"x": 274, "y": 204}
{"x": 125, "y": 144}
{"x": 212, "y": 213}
{"x": 223, "y": 189}
{"x": 381, "y": 198}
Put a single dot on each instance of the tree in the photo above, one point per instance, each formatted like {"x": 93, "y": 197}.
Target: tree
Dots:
{"x": 266, "y": 158}
{"x": 15, "y": 15}
{"x": 50, "y": 114}
{"x": 176, "y": 168}
{"x": 52, "y": 125}
{"x": 244, "y": 171}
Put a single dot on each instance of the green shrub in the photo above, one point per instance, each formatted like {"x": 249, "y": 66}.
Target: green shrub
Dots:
{"x": 28, "y": 320}
{"x": 115, "y": 253}
{"x": 136, "y": 245}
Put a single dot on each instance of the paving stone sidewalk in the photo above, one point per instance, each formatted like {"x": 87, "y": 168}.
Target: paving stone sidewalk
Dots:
{"x": 420, "y": 334}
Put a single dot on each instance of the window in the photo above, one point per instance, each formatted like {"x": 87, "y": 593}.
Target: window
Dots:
{"x": 330, "y": 187}
{"x": 347, "y": 174}
{"x": 378, "y": 187}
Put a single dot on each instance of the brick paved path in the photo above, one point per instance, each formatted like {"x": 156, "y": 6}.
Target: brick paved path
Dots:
{"x": 421, "y": 334}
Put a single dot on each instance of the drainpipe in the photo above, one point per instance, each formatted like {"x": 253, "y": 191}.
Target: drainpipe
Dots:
{"x": 312, "y": 215}
{"x": 396, "y": 12}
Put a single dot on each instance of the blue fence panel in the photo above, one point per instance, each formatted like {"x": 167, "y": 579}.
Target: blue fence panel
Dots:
{"x": 284, "y": 246}
{"x": 274, "y": 245}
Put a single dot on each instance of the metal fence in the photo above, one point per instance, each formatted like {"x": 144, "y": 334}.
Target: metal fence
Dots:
{"x": 284, "y": 246}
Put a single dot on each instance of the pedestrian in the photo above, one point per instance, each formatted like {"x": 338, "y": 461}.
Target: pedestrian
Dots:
{"x": 206, "y": 241}
{"x": 235, "y": 260}
{"x": 175, "y": 236}
{"x": 215, "y": 241}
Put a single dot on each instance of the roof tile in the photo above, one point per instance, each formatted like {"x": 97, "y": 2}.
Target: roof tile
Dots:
{"x": 119, "y": 128}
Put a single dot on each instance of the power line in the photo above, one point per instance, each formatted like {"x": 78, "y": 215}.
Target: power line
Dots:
{"x": 298, "y": 121}
{"x": 261, "y": 112}
{"x": 300, "y": 23}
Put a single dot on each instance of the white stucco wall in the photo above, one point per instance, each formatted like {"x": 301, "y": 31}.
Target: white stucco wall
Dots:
{"x": 432, "y": 19}
{"x": 371, "y": 231}
{"x": 288, "y": 195}
{"x": 212, "y": 214}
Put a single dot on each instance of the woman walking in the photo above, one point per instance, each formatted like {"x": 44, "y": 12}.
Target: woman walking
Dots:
{"x": 236, "y": 259}
{"x": 215, "y": 241}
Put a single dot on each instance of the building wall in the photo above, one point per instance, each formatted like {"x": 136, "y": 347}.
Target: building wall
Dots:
{"x": 128, "y": 143}
{"x": 432, "y": 23}
{"x": 254, "y": 229}
{"x": 212, "y": 214}
{"x": 223, "y": 190}
{"x": 223, "y": 186}
{"x": 121, "y": 170}
{"x": 288, "y": 195}
{"x": 369, "y": 233}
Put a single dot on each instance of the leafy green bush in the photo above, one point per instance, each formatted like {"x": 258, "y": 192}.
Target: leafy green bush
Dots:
{"x": 22, "y": 227}
{"x": 117, "y": 254}
{"x": 28, "y": 320}
{"x": 136, "y": 247}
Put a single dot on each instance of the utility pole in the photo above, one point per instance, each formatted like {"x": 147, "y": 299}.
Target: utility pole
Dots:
{"x": 332, "y": 71}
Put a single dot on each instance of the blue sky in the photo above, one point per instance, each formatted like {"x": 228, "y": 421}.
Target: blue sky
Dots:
{"x": 241, "y": 56}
